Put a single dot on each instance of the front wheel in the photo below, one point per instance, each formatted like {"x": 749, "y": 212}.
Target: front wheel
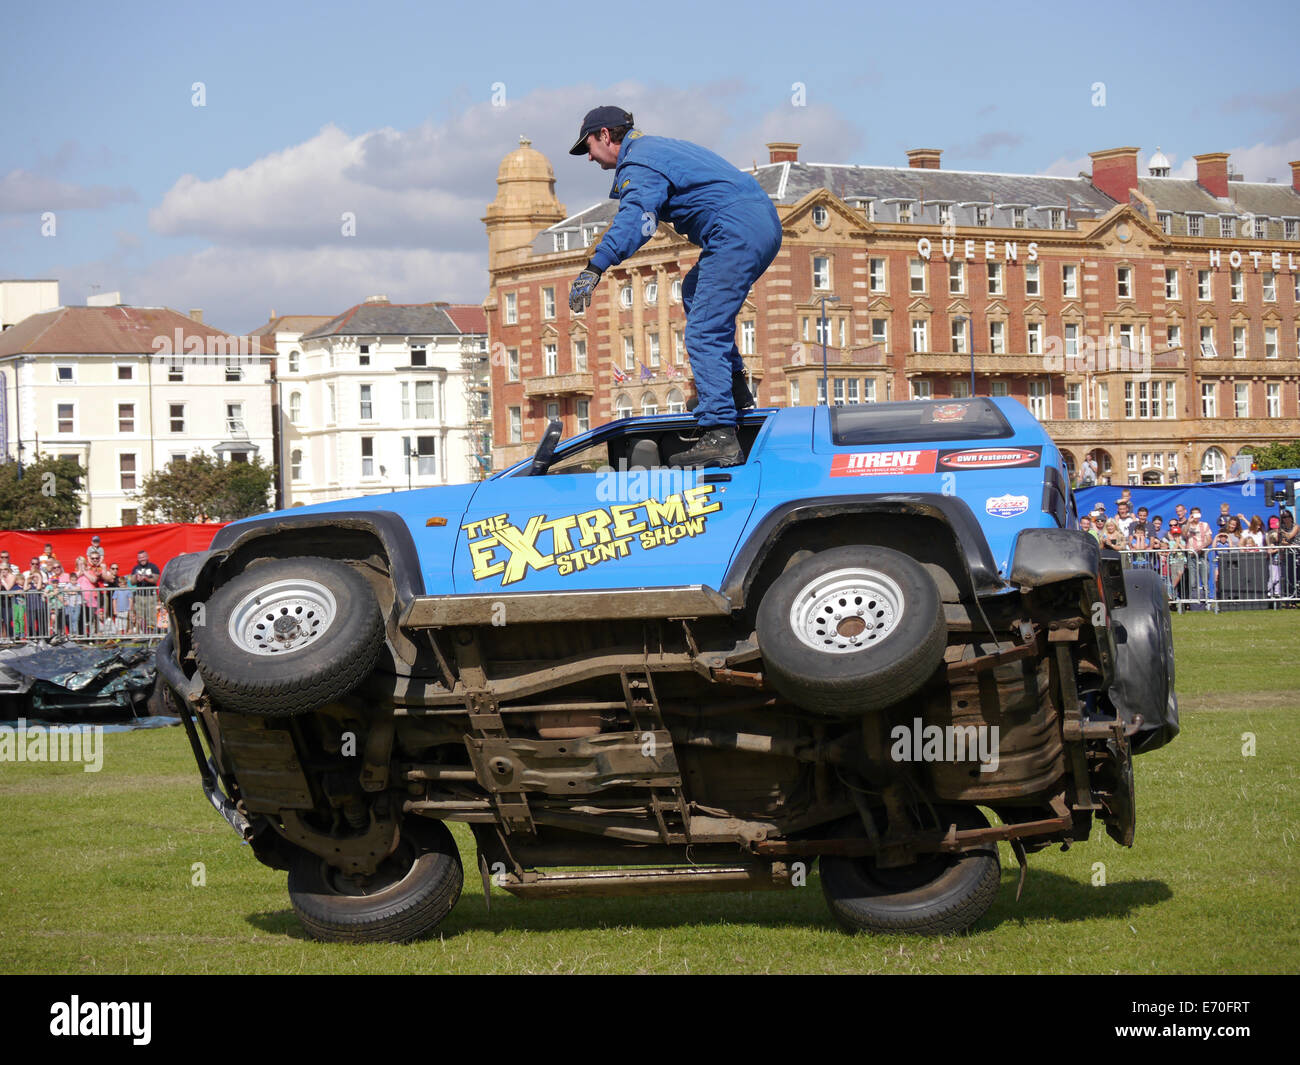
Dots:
{"x": 938, "y": 895}
{"x": 405, "y": 898}
{"x": 288, "y": 636}
{"x": 851, "y": 629}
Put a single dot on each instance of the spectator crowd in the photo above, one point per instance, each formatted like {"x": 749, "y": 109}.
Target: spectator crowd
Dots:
{"x": 94, "y": 597}
{"x": 1239, "y": 558}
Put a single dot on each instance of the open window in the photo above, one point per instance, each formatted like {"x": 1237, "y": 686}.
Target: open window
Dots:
{"x": 645, "y": 444}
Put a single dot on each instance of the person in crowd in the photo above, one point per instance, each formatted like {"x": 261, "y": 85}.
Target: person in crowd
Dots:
{"x": 56, "y": 588}
{"x": 1256, "y": 530}
{"x": 49, "y": 560}
{"x": 1157, "y": 527}
{"x": 1288, "y": 542}
{"x": 1124, "y": 518}
{"x": 1180, "y": 514}
{"x": 119, "y": 598}
{"x": 1139, "y": 544}
{"x": 1225, "y": 512}
{"x": 1111, "y": 536}
{"x": 1085, "y": 524}
{"x": 95, "y": 550}
{"x": 1088, "y": 472}
{"x": 1232, "y": 531}
{"x": 37, "y": 615}
{"x": 10, "y": 587}
{"x": 1199, "y": 536}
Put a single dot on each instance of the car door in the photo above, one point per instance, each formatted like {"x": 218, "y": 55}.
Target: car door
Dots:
{"x": 601, "y": 527}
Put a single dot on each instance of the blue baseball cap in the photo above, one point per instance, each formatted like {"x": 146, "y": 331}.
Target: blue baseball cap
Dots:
{"x": 599, "y": 118}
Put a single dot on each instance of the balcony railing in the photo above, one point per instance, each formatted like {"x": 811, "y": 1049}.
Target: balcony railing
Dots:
{"x": 561, "y": 384}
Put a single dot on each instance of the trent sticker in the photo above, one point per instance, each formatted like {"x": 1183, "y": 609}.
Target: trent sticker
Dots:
{"x": 876, "y": 463}
{"x": 575, "y": 541}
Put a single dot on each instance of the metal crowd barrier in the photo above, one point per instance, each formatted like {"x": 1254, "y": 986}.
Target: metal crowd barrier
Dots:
{"x": 1223, "y": 579}
{"x": 73, "y": 614}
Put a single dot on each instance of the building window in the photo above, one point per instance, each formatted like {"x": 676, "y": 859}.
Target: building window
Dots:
{"x": 126, "y": 417}
{"x": 1126, "y": 337}
{"x": 921, "y": 388}
{"x": 1290, "y": 229}
{"x": 1208, "y": 404}
{"x": 1261, "y": 228}
{"x": 1227, "y": 227}
{"x": 233, "y": 370}
{"x": 623, "y": 406}
{"x": 837, "y": 391}
{"x": 512, "y": 364}
{"x": 1032, "y": 286}
{"x": 997, "y": 338}
{"x": 905, "y": 211}
{"x": 295, "y": 464}
{"x": 332, "y": 404}
{"x": 919, "y": 331}
{"x": 550, "y": 359}
{"x": 652, "y": 343}
{"x": 916, "y": 276}
{"x": 794, "y": 392}
{"x": 1208, "y": 350}
{"x": 126, "y": 472}
{"x": 560, "y": 241}
{"x": 880, "y": 331}
{"x": 175, "y": 372}
{"x": 1241, "y": 399}
{"x": 426, "y": 456}
{"x": 1074, "y": 402}
{"x": 995, "y": 279}
{"x": 1237, "y": 286}
{"x": 363, "y": 354}
{"x": 1148, "y": 399}
{"x": 516, "y": 425}
{"x": 981, "y": 216}
{"x": 747, "y": 337}
{"x": 1124, "y": 282}
{"x": 1274, "y": 399}
{"x": 1238, "y": 341}
{"x": 1056, "y": 218}
{"x": 1017, "y": 218}
{"x": 294, "y": 357}
{"x": 1204, "y": 286}
{"x": 367, "y": 456}
{"x": 960, "y": 388}
{"x": 1035, "y": 338}
{"x": 945, "y": 214}
{"x": 1193, "y": 225}
{"x": 1269, "y": 281}
{"x": 1038, "y": 399}
{"x": 876, "y": 275}
{"x": 126, "y": 373}
{"x": 821, "y": 272}
{"x": 1103, "y": 401}
{"x": 957, "y": 333}
{"x": 1175, "y": 336}
{"x": 1072, "y": 339}
{"x": 295, "y": 407}
{"x": 868, "y": 390}
{"x": 367, "y": 407}
{"x": 512, "y": 308}
{"x": 1270, "y": 342}
{"x": 679, "y": 347}
{"x": 176, "y": 417}
{"x": 419, "y": 356}
{"x": 629, "y": 353}
{"x": 552, "y": 412}
{"x": 1166, "y": 221}
{"x": 425, "y": 410}
{"x": 1070, "y": 282}
{"x": 584, "y": 415}
{"x": 676, "y": 291}
{"x": 956, "y": 279}
{"x": 1171, "y": 284}
{"x": 580, "y": 356}
{"x": 651, "y": 293}
{"x": 625, "y": 296}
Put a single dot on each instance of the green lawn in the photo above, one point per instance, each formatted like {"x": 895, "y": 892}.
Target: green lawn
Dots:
{"x": 97, "y": 871}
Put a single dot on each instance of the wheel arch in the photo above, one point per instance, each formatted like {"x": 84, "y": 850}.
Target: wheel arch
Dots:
{"x": 940, "y": 532}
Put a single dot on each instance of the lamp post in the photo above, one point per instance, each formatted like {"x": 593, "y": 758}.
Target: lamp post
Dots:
{"x": 826, "y": 388}
{"x": 970, "y": 347}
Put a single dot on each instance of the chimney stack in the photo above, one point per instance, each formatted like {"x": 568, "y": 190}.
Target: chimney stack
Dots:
{"x": 783, "y": 152}
{"x": 1115, "y": 172}
{"x": 196, "y": 313}
{"x": 924, "y": 158}
{"x": 1295, "y": 174}
{"x": 1212, "y": 173}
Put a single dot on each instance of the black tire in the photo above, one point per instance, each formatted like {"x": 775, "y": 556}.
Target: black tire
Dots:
{"x": 940, "y": 895}
{"x": 1144, "y": 661}
{"x": 332, "y": 648}
{"x": 882, "y": 671}
{"x": 405, "y": 898}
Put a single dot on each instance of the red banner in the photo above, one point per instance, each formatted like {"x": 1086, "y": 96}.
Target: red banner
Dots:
{"x": 121, "y": 543}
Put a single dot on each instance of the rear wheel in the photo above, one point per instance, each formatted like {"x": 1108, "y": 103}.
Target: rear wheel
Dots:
{"x": 410, "y": 893}
{"x": 851, "y": 629}
{"x": 938, "y": 895}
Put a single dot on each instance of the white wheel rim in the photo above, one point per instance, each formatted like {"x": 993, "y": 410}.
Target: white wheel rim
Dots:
{"x": 846, "y": 610}
{"x": 282, "y": 616}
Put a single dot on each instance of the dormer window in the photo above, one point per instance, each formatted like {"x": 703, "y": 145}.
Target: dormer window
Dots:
{"x": 821, "y": 217}
{"x": 1056, "y": 218}
{"x": 945, "y": 214}
{"x": 560, "y": 241}
{"x": 1166, "y": 221}
{"x": 1018, "y": 217}
{"x": 1227, "y": 226}
{"x": 982, "y": 216}
{"x": 905, "y": 211}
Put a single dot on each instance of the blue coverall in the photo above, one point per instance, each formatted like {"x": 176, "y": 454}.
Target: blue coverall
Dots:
{"x": 723, "y": 210}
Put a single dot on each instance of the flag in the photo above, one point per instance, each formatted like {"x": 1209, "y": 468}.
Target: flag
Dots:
{"x": 619, "y": 375}
{"x": 646, "y": 375}
{"x": 673, "y": 371}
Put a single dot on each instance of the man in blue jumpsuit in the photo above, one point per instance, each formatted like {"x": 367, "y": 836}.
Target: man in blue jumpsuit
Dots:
{"x": 711, "y": 203}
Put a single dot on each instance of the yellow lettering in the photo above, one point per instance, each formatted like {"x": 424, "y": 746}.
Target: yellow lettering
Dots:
{"x": 670, "y": 510}
{"x": 623, "y": 515}
{"x": 480, "y": 554}
{"x": 523, "y": 552}
{"x": 561, "y": 527}
{"x": 695, "y": 498}
{"x": 593, "y": 526}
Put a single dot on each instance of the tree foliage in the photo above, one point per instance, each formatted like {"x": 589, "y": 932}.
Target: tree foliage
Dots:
{"x": 1284, "y": 455}
{"x": 203, "y": 488}
{"x": 49, "y": 495}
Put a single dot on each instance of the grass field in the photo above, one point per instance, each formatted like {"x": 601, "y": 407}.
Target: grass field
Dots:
{"x": 97, "y": 871}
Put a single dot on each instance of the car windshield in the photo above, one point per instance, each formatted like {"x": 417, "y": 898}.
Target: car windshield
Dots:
{"x": 917, "y": 420}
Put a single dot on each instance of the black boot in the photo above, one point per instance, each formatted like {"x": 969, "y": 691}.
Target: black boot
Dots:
{"x": 740, "y": 393}
{"x": 717, "y": 446}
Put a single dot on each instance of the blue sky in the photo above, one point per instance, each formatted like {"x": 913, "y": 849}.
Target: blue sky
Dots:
{"x": 386, "y": 111}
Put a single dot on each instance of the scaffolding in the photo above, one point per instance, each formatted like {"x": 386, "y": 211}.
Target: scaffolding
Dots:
{"x": 478, "y": 404}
